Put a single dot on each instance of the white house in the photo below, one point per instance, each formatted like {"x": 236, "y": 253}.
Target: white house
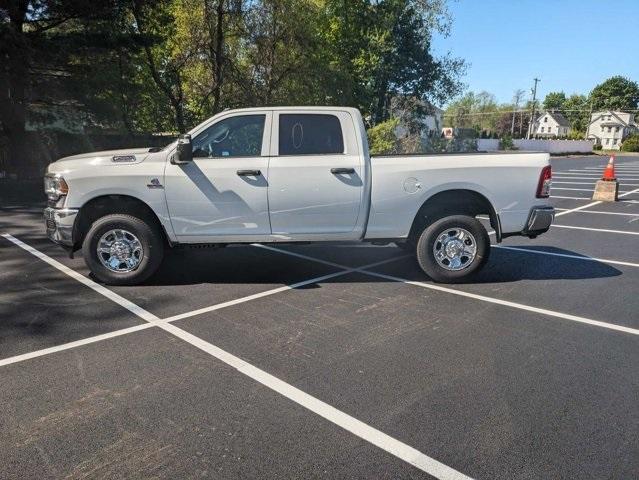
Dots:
{"x": 551, "y": 125}
{"x": 609, "y": 129}
{"x": 429, "y": 124}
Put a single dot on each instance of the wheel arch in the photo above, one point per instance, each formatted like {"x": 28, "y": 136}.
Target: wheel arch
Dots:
{"x": 454, "y": 201}
{"x": 109, "y": 204}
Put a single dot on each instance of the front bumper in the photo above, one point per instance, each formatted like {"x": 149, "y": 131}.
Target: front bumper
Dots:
{"x": 59, "y": 223}
{"x": 539, "y": 221}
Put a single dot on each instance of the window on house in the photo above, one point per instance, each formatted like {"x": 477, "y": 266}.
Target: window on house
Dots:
{"x": 614, "y": 141}
{"x": 609, "y": 129}
{"x": 607, "y": 141}
{"x": 542, "y": 129}
{"x": 616, "y": 129}
{"x": 545, "y": 119}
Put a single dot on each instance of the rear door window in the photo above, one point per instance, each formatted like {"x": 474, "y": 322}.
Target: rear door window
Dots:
{"x": 310, "y": 134}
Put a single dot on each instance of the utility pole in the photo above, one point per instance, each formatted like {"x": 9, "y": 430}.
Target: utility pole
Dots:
{"x": 588, "y": 121}
{"x": 532, "y": 112}
{"x": 517, "y": 98}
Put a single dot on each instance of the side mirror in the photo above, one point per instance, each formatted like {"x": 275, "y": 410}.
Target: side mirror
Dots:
{"x": 184, "y": 153}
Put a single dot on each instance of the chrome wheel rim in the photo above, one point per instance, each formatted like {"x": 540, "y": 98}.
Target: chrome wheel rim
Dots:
{"x": 120, "y": 251}
{"x": 455, "y": 249}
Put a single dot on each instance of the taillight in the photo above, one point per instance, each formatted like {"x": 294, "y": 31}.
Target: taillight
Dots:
{"x": 545, "y": 179}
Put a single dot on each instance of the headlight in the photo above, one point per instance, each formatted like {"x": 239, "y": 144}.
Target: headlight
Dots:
{"x": 55, "y": 186}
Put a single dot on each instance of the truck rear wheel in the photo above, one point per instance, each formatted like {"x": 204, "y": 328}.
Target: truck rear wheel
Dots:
{"x": 123, "y": 250}
{"x": 453, "y": 248}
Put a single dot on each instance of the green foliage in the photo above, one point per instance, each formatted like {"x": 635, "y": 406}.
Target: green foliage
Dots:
{"x": 382, "y": 138}
{"x": 455, "y": 145}
{"x": 506, "y": 143}
{"x": 597, "y": 147}
{"x": 576, "y": 135}
{"x": 554, "y": 101}
{"x": 631, "y": 143}
{"x": 165, "y": 65}
{"x": 375, "y": 51}
{"x": 576, "y": 109}
{"x": 616, "y": 93}
{"x": 471, "y": 111}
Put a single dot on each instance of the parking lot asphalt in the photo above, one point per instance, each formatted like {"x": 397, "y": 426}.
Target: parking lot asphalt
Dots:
{"x": 332, "y": 361}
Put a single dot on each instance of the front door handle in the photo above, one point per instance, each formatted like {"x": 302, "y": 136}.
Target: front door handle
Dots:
{"x": 337, "y": 171}
{"x": 249, "y": 173}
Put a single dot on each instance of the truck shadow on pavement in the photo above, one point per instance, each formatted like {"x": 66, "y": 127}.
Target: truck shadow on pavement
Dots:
{"x": 250, "y": 265}
{"x": 511, "y": 266}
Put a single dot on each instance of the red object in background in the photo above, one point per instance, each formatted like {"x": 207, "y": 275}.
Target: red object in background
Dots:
{"x": 609, "y": 172}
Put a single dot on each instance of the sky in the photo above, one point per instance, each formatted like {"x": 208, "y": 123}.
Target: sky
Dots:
{"x": 571, "y": 45}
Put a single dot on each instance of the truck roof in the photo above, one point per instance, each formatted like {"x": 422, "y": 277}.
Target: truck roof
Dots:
{"x": 296, "y": 108}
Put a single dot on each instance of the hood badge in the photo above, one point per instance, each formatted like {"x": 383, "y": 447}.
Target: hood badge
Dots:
{"x": 155, "y": 183}
{"x": 123, "y": 158}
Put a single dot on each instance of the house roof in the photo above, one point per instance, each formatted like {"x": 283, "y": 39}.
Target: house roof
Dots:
{"x": 597, "y": 115}
{"x": 557, "y": 117}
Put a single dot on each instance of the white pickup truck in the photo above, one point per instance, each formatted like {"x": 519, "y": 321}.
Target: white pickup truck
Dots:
{"x": 286, "y": 175}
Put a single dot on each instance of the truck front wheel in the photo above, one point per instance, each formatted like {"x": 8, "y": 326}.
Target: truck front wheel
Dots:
{"x": 453, "y": 248}
{"x": 123, "y": 250}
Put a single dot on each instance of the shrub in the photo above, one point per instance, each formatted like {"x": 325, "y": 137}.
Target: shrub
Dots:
{"x": 597, "y": 146}
{"x": 506, "y": 143}
{"x": 382, "y": 138}
{"x": 631, "y": 143}
{"x": 576, "y": 135}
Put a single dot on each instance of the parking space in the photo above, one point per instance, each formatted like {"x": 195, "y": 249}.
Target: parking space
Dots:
{"x": 147, "y": 405}
{"x": 336, "y": 361}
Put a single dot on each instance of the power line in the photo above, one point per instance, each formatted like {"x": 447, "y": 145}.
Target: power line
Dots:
{"x": 498, "y": 112}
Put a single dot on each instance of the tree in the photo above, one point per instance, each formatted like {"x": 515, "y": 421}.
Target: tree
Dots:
{"x": 554, "y": 101}
{"x": 473, "y": 110}
{"x": 616, "y": 93}
{"x": 48, "y": 50}
{"x": 383, "y": 49}
{"x": 576, "y": 109}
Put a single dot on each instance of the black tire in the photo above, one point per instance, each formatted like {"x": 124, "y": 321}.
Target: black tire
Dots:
{"x": 426, "y": 257}
{"x": 149, "y": 237}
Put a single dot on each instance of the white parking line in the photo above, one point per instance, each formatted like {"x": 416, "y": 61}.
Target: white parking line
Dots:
{"x": 584, "y": 189}
{"x": 583, "y": 207}
{"x": 357, "y": 427}
{"x": 586, "y": 174}
{"x": 569, "y": 198}
{"x": 598, "y": 211}
{"x": 343, "y": 271}
{"x": 483, "y": 298}
{"x": 102, "y": 290}
{"x": 70, "y": 345}
{"x": 565, "y": 255}
{"x": 554, "y": 182}
{"x": 603, "y": 230}
{"x": 505, "y": 303}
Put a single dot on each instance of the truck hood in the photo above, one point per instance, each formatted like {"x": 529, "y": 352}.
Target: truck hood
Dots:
{"x": 97, "y": 158}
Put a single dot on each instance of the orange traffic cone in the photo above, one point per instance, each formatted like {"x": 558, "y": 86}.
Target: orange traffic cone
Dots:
{"x": 609, "y": 172}
{"x": 607, "y": 189}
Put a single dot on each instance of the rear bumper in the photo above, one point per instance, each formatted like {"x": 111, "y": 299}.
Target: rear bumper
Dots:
{"x": 59, "y": 224}
{"x": 539, "y": 220}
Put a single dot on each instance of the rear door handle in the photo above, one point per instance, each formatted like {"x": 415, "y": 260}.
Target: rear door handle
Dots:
{"x": 337, "y": 171}
{"x": 249, "y": 173}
